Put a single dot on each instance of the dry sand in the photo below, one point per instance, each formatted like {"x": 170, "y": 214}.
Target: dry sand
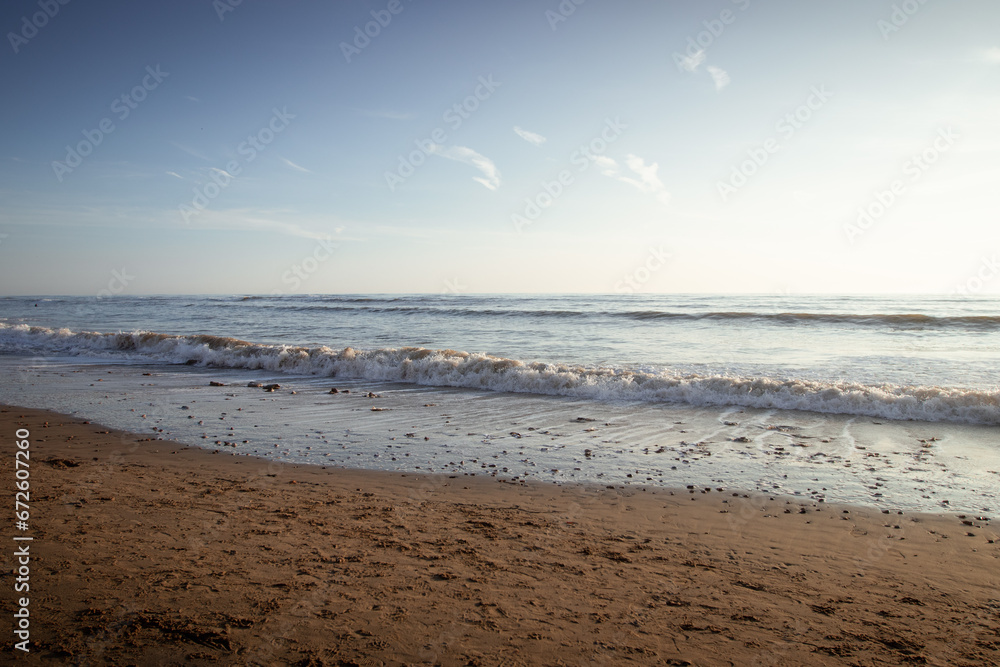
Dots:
{"x": 148, "y": 552}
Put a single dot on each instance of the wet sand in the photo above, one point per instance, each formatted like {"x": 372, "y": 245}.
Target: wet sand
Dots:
{"x": 146, "y": 551}
{"x": 894, "y": 465}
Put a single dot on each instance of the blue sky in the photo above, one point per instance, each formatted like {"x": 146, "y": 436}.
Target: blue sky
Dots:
{"x": 719, "y": 146}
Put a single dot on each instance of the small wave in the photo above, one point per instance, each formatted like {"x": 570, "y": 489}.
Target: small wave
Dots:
{"x": 431, "y": 310}
{"x": 876, "y": 319}
{"x": 405, "y": 308}
{"x": 451, "y": 368}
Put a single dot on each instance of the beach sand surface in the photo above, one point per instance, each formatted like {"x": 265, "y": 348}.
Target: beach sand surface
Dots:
{"x": 149, "y": 552}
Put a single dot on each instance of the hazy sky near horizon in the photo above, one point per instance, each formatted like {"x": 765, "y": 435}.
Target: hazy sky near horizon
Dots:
{"x": 425, "y": 146}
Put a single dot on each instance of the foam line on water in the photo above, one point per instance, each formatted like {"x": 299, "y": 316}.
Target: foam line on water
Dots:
{"x": 452, "y": 368}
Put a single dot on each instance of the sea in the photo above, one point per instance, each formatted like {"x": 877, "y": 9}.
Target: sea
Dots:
{"x": 880, "y": 400}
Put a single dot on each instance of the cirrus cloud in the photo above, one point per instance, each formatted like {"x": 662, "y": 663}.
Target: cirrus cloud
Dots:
{"x": 491, "y": 176}
{"x": 648, "y": 180}
{"x": 530, "y": 137}
{"x": 719, "y": 76}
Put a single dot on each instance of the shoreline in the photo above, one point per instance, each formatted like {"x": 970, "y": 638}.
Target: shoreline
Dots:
{"x": 909, "y": 466}
{"x": 149, "y": 551}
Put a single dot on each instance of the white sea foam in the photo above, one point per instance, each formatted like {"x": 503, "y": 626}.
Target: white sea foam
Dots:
{"x": 450, "y": 368}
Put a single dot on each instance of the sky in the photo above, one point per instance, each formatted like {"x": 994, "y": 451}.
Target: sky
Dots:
{"x": 588, "y": 146}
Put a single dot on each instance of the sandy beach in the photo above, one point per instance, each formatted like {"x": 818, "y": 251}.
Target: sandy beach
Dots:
{"x": 149, "y": 552}
{"x": 468, "y": 334}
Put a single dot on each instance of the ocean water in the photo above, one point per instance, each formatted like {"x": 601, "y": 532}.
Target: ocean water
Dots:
{"x": 859, "y": 399}
{"x": 931, "y": 358}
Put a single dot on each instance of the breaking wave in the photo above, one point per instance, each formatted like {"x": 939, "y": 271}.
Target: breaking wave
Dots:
{"x": 451, "y": 368}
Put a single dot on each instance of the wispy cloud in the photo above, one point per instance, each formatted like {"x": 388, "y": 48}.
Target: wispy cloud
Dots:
{"x": 288, "y": 222}
{"x": 719, "y": 76}
{"x": 193, "y": 99}
{"x": 391, "y": 115}
{"x": 278, "y": 221}
{"x": 648, "y": 180}
{"x": 254, "y": 220}
{"x": 294, "y": 166}
{"x": 471, "y": 157}
{"x": 691, "y": 62}
{"x": 530, "y": 137}
{"x": 607, "y": 166}
{"x": 191, "y": 151}
{"x": 175, "y": 175}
